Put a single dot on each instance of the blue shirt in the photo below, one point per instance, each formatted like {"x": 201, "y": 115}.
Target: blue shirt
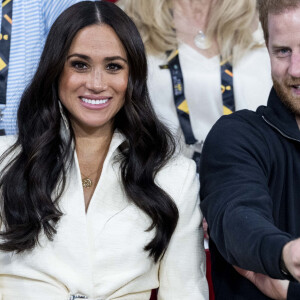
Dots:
{"x": 32, "y": 20}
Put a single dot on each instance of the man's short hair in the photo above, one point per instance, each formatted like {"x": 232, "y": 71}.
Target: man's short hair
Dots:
{"x": 266, "y": 7}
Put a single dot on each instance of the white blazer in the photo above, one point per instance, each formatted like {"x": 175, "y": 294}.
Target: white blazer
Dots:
{"x": 100, "y": 255}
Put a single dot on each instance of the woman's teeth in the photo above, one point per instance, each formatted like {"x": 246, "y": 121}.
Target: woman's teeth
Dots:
{"x": 90, "y": 101}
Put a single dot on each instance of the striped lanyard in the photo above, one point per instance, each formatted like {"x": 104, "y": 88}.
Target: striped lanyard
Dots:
{"x": 173, "y": 64}
{"x": 5, "y": 40}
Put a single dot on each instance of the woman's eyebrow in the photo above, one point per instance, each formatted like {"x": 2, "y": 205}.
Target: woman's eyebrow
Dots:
{"x": 111, "y": 58}
{"x": 79, "y": 55}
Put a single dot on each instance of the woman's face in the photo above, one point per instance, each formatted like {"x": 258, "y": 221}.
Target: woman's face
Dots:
{"x": 94, "y": 79}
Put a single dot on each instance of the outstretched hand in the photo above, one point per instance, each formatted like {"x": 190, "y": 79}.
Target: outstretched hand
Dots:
{"x": 273, "y": 288}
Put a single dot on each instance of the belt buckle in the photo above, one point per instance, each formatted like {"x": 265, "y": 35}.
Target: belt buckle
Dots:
{"x": 78, "y": 296}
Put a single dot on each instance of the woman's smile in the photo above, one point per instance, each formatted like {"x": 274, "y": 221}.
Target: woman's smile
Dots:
{"x": 95, "y": 102}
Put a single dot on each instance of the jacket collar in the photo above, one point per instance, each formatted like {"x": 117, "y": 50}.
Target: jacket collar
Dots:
{"x": 277, "y": 115}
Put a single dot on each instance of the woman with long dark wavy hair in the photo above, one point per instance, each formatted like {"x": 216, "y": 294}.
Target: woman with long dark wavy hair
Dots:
{"x": 94, "y": 202}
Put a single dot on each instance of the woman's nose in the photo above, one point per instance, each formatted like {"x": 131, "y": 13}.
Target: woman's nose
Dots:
{"x": 96, "y": 81}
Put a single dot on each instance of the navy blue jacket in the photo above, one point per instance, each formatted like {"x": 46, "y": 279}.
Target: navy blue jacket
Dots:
{"x": 250, "y": 192}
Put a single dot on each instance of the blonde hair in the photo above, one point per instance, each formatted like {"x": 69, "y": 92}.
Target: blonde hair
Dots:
{"x": 230, "y": 22}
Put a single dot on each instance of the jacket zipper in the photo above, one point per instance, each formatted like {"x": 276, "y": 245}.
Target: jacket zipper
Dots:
{"x": 283, "y": 134}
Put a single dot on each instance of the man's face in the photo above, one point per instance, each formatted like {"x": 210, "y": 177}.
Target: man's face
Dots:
{"x": 284, "y": 50}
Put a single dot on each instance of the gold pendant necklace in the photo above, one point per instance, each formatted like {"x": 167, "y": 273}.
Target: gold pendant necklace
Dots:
{"x": 89, "y": 180}
{"x": 86, "y": 182}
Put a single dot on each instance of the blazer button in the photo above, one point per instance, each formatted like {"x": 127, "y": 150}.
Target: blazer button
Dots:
{"x": 77, "y": 296}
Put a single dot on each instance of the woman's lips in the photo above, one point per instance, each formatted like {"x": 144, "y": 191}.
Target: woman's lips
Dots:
{"x": 95, "y": 102}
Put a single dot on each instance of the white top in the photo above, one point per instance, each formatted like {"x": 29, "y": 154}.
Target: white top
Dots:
{"x": 100, "y": 253}
{"x": 202, "y": 85}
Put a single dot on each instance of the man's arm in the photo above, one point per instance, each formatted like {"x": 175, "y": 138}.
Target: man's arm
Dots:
{"x": 273, "y": 288}
{"x": 236, "y": 202}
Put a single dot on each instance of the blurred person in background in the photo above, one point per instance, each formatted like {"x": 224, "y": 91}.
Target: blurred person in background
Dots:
{"x": 206, "y": 58}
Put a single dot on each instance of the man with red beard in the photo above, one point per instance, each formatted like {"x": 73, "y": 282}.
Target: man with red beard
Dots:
{"x": 250, "y": 177}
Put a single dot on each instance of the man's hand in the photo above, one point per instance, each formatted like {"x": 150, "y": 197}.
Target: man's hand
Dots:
{"x": 272, "y": 288}
{"x": 291, "y": 258}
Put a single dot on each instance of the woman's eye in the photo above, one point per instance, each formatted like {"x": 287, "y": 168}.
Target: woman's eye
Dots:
{"x": 79, "y": 65}
{"x": 114, "y": 67}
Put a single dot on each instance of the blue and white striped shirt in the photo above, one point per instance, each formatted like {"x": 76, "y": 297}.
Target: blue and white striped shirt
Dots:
{"x": 32, "y": 20}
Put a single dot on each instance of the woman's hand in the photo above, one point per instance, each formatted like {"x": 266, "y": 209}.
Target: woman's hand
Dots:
{"x": 273, "y": 288}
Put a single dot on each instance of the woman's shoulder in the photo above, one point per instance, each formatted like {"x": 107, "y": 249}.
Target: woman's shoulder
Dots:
{"x": 179, "y": 178}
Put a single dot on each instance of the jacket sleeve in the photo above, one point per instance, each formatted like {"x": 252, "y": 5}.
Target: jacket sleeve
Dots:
{"x": 183, "y": 266}
{"x": 293, "y": 291}
{"x": 235, "y": 168}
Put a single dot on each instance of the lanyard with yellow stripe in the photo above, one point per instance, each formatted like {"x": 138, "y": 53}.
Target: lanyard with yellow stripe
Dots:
{"x": 179, "y": 98}
{"x": 5, "y": 40}
{"x": 178, "y": 92}
{"x": 227, "y": 88}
